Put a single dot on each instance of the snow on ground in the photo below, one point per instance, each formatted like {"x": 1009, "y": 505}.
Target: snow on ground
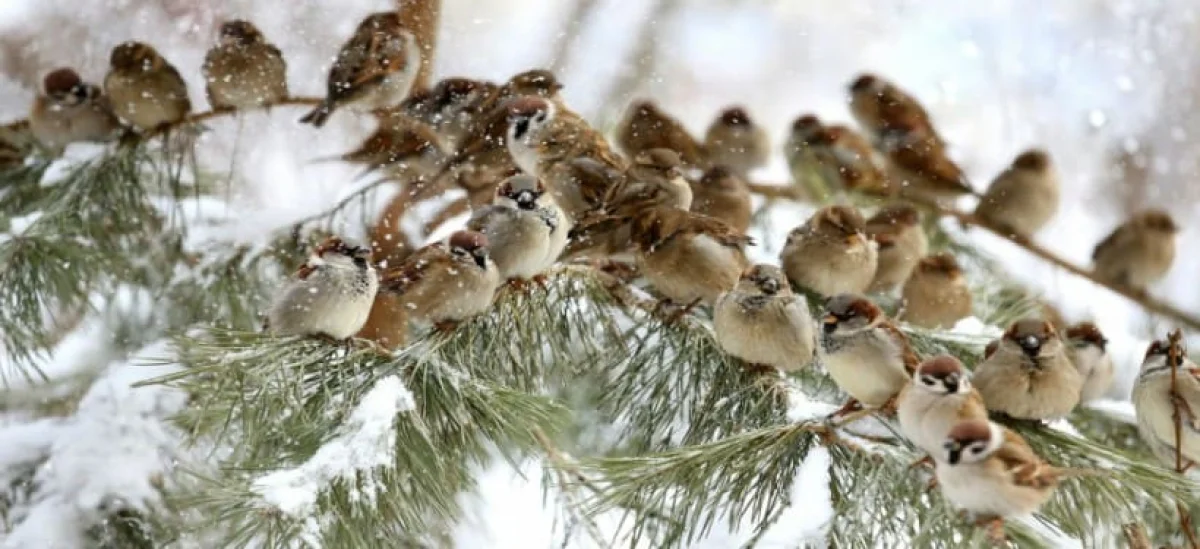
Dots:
{"x": 1075, "y": 78}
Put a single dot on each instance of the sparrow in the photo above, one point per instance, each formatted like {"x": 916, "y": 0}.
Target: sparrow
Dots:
{"x": 992, "y": 472}
{"x": 735, "y": 141}
{"x": 451, "y": 107}
{"x": 646, "y": 127}
{"x": 938, "y": 397}
{"x": 1089, "y": 354}
{"x": 829, "y": 254}
{"x": 525, "y": 228}
{"x": 864, "y": 352}
{"x": 805, "y": 164}
{"x": 761, "y": 321}
{"x": 688, "y": 258}
{"x": 879, "y": 106}
{"x": 1156, "y": 406}
{"x": 1023, "y": 198}
{"x": 936, "y": 294}
{"x": 374, "y": 70}
{"x": 1029, "y": 375}
{"x": 244, "y": 70}
{"x": 1139, "y": 252}
{"x": 547, "y": 143}
{"x": 144, "y": 89}
{"x": 330, "y": 295}
{"x": 655, "y": 178}
{"x": 69, "y": 110}
{"x": 720, "y": 193}
{"x": 920, "y": 166}
{"x": 445, "y": 282}
{"x": 405, "y": 148}
{"x": 849, "y": 163}
{"x": 897, "y": 230}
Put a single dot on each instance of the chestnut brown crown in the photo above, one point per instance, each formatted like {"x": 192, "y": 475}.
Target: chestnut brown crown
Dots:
{"x": 865, "y": 82}
{"x": 896, "y": 214}
{"x": 940, "y": 263}
{"x": 242, "y": 32}
{"x": 805, "y": 123}
{"x": 844, "y": 219}
{"x": 1033, "y": 160}
{"x": 539, "y": 82}
{"x": 735, "y": 116}
{"x": 1030, "y": 334}
{"x": 1158, "y": 220}
{"x": 134, "y": 56}
{"x": 382, "y": 22}
{"x": 61, "y": 81}
{"x": 941, "y": 366}
{"x": 1088, "y": 332}
{"x": 843, "y": 307}
{"x": 970, "y": 432}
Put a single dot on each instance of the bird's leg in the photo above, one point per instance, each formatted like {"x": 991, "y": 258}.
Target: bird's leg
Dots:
{"x": 889, "y": 407}
{"x": 518, "y": 284}
{"x": 445, "y": 326}
{"x": 759, "y": 369}
{"x": 995, "y": 528}
{"x": 926, "y": 461}
{"x": 621, "y": 270}
{"x": 852, "y": 405}
{"x": 541, "y": 280}
{"x": 678, "y": 313}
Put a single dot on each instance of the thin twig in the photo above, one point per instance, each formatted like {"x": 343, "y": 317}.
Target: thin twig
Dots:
{"x": 1174, "y": 359}
{"x": 199, "y": 117}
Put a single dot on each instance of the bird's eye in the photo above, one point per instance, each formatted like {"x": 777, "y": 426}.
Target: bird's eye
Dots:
{"x": 976, "y": 449}
{"x": 360, "y": 261}
{"x": 927, "y": 380}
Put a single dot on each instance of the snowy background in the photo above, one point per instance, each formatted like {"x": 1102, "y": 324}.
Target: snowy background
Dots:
{"x": 1109, "y": 88}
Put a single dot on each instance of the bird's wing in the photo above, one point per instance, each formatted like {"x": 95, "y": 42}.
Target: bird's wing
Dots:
{"x": 414, "y": 268}
{"x": 1114, "y": 240}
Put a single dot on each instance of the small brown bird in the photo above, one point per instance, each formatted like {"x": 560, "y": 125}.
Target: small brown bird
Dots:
{"x": 446, "y": 282}
{"x": 331, "y": 294}
{"x": 69, "y": 111}
{"x": 936, "y": 295}
{"x": 938, "y": 397}
{"x": 525, "y": 228}
{"x": 451, "y": 107}
{"x": 1156, "y": 407}
{"x": 920, "y": 166}
{"x": 989, "y": 470}
{"x": 687, "y": 257}
{"x": 879, "y": 107}
{"x": 1089, "y": 354}
{"x": 805, "y": 163}
{"x": 244, "y": 70}
{"x": 763, "y": 323}
{"x": 829, "y": 254}
{"x": 1139, "y": 252}
{"x": 404, "y": 148}
{"x": 720, "y": 193}
{"x": 654, "y": 179}
{"x": 646, "y": 127}
{"x": 902, "y": 243}
{"x": 535, "y": 82}
{"x": 374, "y": 70}
{"x": 144, "y": 89}
{"x": 1023, "y": 198}
{"x": 1029, "y": 375}
{"x": 735, "y": 141}
{"x": 849, "y": 162}
{"x": 864, "y": 352}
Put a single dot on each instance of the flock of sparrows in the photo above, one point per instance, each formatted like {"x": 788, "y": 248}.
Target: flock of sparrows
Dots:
{"x": 545, "y": 187}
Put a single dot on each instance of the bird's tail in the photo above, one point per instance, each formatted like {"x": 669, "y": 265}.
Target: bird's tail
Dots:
{"x": 319, "y": 115}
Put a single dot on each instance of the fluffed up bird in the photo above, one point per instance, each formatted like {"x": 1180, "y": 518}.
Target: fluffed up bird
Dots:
{"x": 734, "y": 140}
{"x": 991, "y": 471}
{"x": 645, "y": 126}
{"x": 762, "y": 322}
{"x": 688, "y": 258}
{"x": 374, "y": 70}
{"x": 936, "y": 294}
{"x": 144, "y": 89}
{"x": 720, "y": 193}
{"x": 920, "y": 167}
{"x": 1023, "y": 198}
{"x": 525, "y": 228}
{"x": 451, "y": 107}
{"x": 829, "y": 254}
{"x": 879, "y": 106}
{"x": 937, "y": 398}
{"x": 865, "y": 353}
{"x": 330, "y": 296}
{"x": 445, "y": 282}
{"x": 404, "y": 148}
{"x": 1139, "y": 252}
{"x": 897, "y": 230}
{"x": 70, "y": 110}
{"x": 827, "y": 160}
{"x": 1089, "y": 354}
{"x": 244, "y": 70}
{"x": 1156, "y": 407}
{"x": 1029, "y": 375}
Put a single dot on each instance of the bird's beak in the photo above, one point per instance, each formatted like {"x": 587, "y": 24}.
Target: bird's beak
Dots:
{"x": 952, "y": 385}
{"x": 953, "y": 452}
{"x": 526, "y": 200}
{"x": 770, "y": 286}
{"x": 481, "y": 260}
{"x": 830, "y": 322}
{"x": 1031, "y": 345}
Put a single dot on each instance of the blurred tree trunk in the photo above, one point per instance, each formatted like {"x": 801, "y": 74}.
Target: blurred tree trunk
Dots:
{"x": 422, "y": 16}
{"x": 564, "y": 43}
{"x": 640, "y": 65}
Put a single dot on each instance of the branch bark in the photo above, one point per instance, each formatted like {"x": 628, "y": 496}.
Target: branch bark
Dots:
{"x": 422, "y": 17}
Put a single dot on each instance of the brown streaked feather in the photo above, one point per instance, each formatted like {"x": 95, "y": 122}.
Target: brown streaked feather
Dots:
{"x": 656, "y": 226}
{"x": 400, "y": 278}
{"x": 910, "y": 358}
{"x": 942, "y": 262}
{"x": 991, "y": 348}
{"x": 305, "y": 270}
{"x": 1089, "y": 332}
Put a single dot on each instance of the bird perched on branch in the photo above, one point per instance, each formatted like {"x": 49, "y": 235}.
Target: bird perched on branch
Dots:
{"x": 936, "y": 294}
{"x": 331, "y": 294}
{"x": 897, "y": 230}
{"x": 865, "y": 353}
{"x": 451, "y": 107}
{"x": 1023, "y": 198}
{"x": 688, "y": 258}
{"x": 70, "y": 110}
{"x": 1028, "y": 375}
{"x": 829, "y": 254}
{"x": 645, "y": 126}
{"x": 880, "y": 107}
{"x": 989, "y": 470}
{"x": 374, "y": 70}
{"x": 526, "y": 229}
{"x": 1157, "y": 407}
{"x": 920, "y": 166}
{"x": 144, "y": 89}
{"x": 1089, "y": 354}
{"x": 762, "y": 322}
{"x": 1139, "y": 252}
{"x": 244, "y": 70}
{"x": 735, "y": 141}
{"x": 446, "y": 282}
{"x": 720, "y": 193}
{"x": 937, "y": 398}
{"x": 404, "y": 148}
